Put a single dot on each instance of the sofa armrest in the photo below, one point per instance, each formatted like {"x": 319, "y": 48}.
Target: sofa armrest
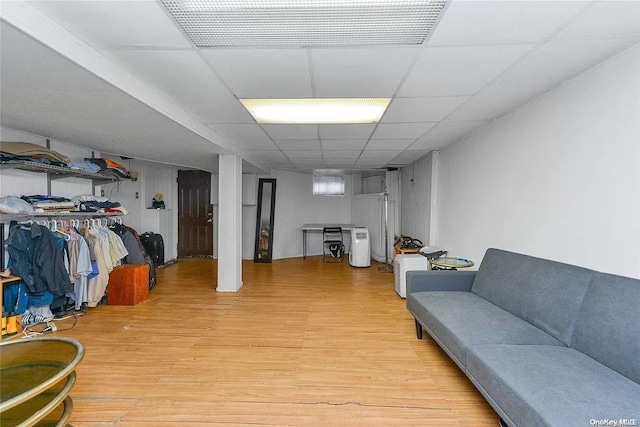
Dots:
{"x": 439, "y": 280}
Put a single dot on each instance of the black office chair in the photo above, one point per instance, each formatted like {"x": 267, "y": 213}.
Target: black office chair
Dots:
{"x": 332, "y": 244}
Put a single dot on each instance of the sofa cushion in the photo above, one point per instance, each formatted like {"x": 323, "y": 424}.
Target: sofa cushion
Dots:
{"x": 460, "y": 320}
{"x": 608, "y": 325}
{"x": 545, "y": 293}
{"x": 551, "y": 385}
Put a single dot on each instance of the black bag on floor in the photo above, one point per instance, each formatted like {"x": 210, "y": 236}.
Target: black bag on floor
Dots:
{"x": 152, "y": 271}
{"x": 154, "y": 245}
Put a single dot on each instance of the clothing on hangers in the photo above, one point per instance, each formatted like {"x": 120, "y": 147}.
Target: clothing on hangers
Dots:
{"x": 37, "y": 259}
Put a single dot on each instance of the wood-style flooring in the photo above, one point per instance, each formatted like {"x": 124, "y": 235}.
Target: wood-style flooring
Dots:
{"x": 301, "y": 344}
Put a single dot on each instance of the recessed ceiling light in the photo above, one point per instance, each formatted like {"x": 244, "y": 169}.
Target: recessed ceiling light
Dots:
{"x": 262, "y": 23}
{"x": 316, "y": 110}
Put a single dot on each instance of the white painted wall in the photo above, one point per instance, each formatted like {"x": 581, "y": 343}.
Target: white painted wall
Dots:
{"x": 416, "y": 180}
{"x": 559, "y": 178}
{"x": 296, "y": 205}
{"x": 153, "y": 178}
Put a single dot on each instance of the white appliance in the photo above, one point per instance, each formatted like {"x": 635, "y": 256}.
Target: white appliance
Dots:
{"x": 404, "y": 263}
{"x": 360, "y": 253}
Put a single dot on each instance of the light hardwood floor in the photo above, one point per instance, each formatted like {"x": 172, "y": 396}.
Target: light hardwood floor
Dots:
{"x": 302, "y": 343}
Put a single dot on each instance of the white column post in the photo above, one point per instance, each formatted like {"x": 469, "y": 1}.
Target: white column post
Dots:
{"x": 229, "y": 223}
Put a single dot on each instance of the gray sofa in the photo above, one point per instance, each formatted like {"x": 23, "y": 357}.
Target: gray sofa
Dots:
{"x": 546, "y": 343}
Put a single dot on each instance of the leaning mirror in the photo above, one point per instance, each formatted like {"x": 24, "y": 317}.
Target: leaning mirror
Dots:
{"x": 264, "y": 222}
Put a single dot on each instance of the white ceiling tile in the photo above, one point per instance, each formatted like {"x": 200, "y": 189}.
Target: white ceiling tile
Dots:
{"x": 344, "y": 144}
{"x": 389, "y": 144}
{"x": 454, "y": 130}
{"x": 604, "y": 18}
{"x": 370, "y": 163}
{"x": 291, "y": 131}
{"x": 407, "y": 157}
{"x": 379, "y": 155}
{"x": 401, "y": 130}
{"x": 459, "y": 71}
{"x": 534, "y": 76}
{"x": 341, "y": 154}
{"x": 360, "y": 72}
{"x": 430, "y": 144}
{"x": 187, "y": 79}
{"x": 269, "y": 156}
{"x": 263, "y": 73}
{"x": 279, "y": 165}
{"x": 303, "y": 154}
{"x": 249, "y": 137}
{"x": 108, "y": 24}
{"x": 346, "y": 131}
{"x": 338, "y": 163}
{"x": 488, "y": 22}
{"x": 298, "y": 144}
{"x": 424, "y": 109}
{"x": 307, "y": 163}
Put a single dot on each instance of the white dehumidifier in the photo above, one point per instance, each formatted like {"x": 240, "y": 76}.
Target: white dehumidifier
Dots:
{"x": 360, "y": 253}
{"x": 404, "y": 263}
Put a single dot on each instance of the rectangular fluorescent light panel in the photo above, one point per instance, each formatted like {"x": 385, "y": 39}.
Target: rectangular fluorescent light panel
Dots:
{"x": 305, "y": 23}
{"x": 316, "y": 110}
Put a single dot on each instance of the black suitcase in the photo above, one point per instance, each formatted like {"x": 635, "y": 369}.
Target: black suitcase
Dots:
{"x": 154, "y": 245}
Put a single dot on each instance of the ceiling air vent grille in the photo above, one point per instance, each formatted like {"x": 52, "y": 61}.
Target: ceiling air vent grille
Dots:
{"x": 289, "y": 23}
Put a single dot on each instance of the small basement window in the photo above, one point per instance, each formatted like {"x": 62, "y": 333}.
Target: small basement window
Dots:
{"x": 328, "y": 185}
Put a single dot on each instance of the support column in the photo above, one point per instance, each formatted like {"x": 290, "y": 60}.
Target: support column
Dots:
{"x": 229, "y": 223}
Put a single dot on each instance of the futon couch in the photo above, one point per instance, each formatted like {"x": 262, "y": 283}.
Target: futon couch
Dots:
{"x": 546, "y": 343}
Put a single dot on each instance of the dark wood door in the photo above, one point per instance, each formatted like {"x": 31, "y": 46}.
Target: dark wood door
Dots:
{"x": 195, "y": 214}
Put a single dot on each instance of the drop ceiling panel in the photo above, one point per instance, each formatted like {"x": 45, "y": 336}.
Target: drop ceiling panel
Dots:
{"x": 249, "y": 137}
{"x": 347, "y": 131}
{"x": 263, "y": 73}
{"x": 454, "y": 130}
{"x": 306, "y": 163}
{"x": 270, "y": 156}
{"x": 533, "y": 76}
{"x": 338, "y": 163}
{"x": 379, "y": 155}
{"x": 407, "y": 157}
{"x": 459, "y": 71}
{"x": 303, "y": 154}
{"x": 429, "y": 144}
{"x": 423, "y": 109}
{"x": 401, "y": 130}
{"x": 291, "y": 131}
{"x": 187, "y": 79}
{"x": 360, "y": 72}
{"x": 490, "y": 22}
{"x": 343, "y": 154}
{"x": 298, "y": 144}
{"x": 370, "y": 163}
{"x": 389, "y": 144}
{"x": 605, "y": 18}
{"x": 344, "y": 144}
{"x": 108, "y": 24}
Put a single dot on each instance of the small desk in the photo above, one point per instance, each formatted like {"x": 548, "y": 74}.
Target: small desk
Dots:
{"x": 319, "y": 228}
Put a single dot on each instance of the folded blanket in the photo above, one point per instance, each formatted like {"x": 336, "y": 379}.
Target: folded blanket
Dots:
{"x": 32, "y": 150}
